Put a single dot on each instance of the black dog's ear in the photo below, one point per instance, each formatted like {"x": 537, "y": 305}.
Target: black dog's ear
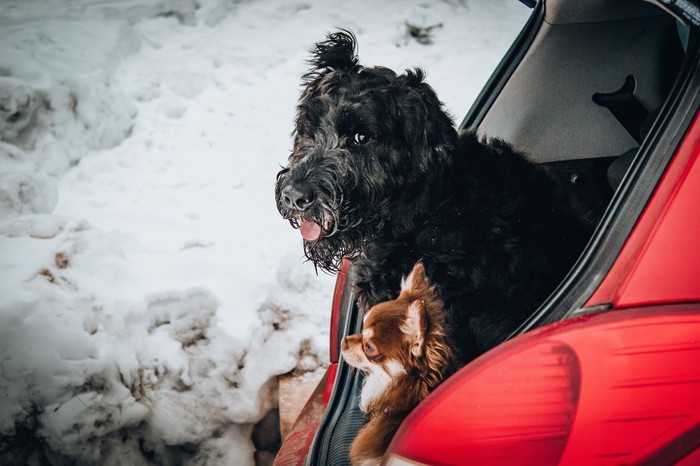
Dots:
{"x": 337, "y": 52}
{"x": 427, "y": 124}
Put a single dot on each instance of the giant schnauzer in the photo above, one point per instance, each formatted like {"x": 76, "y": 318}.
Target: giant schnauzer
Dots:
{"x": 380, "y": 175}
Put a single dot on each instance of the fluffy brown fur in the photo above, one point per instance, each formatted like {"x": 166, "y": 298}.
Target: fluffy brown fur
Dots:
{"x": 406, "y": 352}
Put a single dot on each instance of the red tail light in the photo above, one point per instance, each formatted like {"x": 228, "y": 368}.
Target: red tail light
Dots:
{"x": 615, "y": 388}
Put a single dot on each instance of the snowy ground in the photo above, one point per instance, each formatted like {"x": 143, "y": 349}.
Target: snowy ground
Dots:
{"x": 149, "y": 292}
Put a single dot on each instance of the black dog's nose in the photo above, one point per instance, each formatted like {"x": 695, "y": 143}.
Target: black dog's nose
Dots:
{"x": 295, "y": 198}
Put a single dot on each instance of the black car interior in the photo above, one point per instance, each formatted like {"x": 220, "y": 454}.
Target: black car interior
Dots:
{"x": 587, "y": 90}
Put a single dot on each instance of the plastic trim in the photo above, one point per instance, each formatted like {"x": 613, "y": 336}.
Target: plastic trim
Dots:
{"x": 504, "y": 70}
{"x": 629, "y": 200}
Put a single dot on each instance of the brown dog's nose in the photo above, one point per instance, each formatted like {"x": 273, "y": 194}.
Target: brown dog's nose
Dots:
{"x": 344, "y": 344}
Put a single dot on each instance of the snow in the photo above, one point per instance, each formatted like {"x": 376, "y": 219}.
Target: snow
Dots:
{"x": 150, "y": 294}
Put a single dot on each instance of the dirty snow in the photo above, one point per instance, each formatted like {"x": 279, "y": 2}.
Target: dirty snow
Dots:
{"x": 150, "y": 293}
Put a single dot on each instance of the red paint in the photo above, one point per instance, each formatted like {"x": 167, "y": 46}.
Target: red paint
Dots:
{"x": 660, "y": 262}
{"x": 335, "y": 310}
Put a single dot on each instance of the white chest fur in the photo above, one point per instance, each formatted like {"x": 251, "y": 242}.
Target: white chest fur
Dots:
{"x": 377, "y": 381}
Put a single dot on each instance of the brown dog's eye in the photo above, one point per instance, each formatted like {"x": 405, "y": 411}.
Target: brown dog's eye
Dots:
{"x": 371, "y": 350}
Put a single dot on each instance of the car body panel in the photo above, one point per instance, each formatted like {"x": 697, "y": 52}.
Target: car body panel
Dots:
{"x": 648, "y": 270}
{"x": 337, "y": 317}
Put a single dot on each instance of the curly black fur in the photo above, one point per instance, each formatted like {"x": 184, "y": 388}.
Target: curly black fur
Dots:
{"x": 382, "y": 169}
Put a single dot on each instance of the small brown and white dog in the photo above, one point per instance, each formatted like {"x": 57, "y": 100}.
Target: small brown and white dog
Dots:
{"x": 405, "y": 352}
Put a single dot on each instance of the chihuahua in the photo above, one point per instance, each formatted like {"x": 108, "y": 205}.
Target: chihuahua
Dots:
{"x": 405, "y": 352}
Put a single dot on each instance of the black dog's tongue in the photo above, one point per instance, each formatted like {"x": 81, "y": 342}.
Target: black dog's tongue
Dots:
{"x": 310, "y": 231}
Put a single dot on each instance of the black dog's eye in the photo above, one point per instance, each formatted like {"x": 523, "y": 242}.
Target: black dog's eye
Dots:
{"x": 360, "y": 139}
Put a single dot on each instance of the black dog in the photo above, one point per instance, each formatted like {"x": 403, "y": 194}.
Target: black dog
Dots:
{"x": 380, "y": 175}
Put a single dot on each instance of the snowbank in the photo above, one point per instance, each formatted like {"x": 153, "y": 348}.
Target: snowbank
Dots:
{"x": 150, "y": 293}
{"x": 92, "y": 373}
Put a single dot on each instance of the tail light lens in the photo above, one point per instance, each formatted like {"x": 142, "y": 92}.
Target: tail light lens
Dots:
{"x": 616, "y": 388}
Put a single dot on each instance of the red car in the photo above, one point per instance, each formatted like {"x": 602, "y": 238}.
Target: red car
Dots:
{"x": 607, "y": 369}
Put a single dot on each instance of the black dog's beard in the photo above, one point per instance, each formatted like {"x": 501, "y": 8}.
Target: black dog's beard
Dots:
{"x": 346, "y": 239}
{"x": 350, "y": 234}
{"x": 327, "y": 253}
{"x": 345, "y": 224}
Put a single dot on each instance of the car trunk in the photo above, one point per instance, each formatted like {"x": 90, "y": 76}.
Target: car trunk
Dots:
{"x": 591, "y": 89}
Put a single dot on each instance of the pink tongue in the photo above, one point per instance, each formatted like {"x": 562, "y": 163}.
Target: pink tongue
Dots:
{"x": 311, "y": 231}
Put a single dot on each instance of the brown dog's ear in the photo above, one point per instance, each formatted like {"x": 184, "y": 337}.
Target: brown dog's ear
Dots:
{"x": 414, "y": 327}
{"x": 415, "y": 280}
